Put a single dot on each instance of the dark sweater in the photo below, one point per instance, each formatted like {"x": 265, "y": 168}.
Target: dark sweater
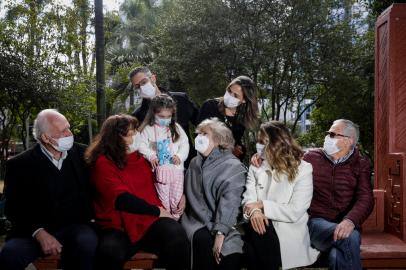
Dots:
{"x": 38, "y": 195}
{"x": 341, "y": 190}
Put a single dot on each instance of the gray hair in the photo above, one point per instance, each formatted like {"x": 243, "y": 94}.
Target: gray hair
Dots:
{"x": 41, "y": 123}
{"x": 350, "y": 129}
{"x": 222, "y": 135}
{"x": 137, "y": 70}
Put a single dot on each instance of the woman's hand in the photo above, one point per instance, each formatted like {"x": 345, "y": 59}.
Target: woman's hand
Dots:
{"x": 176, "y": 160}
{"x": 238, "y": 151}
{"x": 218, "y": 244}
{"x": 259, "y": 222}
{"x": 251, "y": 206}
{"x": 256, "y": 160}
{"x": 181, "y": 206}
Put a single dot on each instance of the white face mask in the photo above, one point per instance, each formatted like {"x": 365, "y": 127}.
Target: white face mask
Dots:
{"x": 64, "y": 144}
{"x": 230, "y": 101}
{"x": 135, "y": 144}
{"x": 260, "y": 149}
{"x": 202, "y": 143}
{"x": 330, "y": 145}
{"x": 147, "y": 90}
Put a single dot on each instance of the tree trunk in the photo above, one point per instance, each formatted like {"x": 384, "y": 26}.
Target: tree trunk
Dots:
{"x": 100, "y": 94}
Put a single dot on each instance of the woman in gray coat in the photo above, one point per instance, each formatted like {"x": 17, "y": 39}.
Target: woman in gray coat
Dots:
{"x": 214, "y": 185}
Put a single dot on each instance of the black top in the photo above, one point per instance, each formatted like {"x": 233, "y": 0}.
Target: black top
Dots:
{"x": 132, "y": 204}
{"x": 38, "y": 195}
{"x": 210, "y": 108}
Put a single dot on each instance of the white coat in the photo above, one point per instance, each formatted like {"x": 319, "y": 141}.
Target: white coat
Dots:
{"x": 286, "y": 204}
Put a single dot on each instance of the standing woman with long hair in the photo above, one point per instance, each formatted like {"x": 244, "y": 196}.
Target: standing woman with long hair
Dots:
{"x": 277, "y": 197}
{"x": 238, "y": 109}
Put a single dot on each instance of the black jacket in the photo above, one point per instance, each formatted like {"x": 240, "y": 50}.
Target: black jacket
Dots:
{"x": 30, "y": 199}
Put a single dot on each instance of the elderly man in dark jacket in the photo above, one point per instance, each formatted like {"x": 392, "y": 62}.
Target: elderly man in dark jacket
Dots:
{"x": 342, "y": 196}
{"x": 48, "y": 203}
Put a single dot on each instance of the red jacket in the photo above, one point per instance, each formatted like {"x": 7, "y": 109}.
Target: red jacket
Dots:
{"x": 137, "y": 179}
{"x": 341, "y": 190}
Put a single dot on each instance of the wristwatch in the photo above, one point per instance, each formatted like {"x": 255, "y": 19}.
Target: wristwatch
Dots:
{"x": 219, "y": 233}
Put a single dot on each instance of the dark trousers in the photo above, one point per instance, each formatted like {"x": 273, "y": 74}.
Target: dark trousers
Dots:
{"x": 203, "y": 257}
{"x": 165, "y": 238}
{"x": 262, "y": 251}
{"x": 78, "y": 242}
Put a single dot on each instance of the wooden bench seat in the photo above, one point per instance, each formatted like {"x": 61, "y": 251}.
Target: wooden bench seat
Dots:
{"x": 378, "y": 250}
{"x": 382, "y": 250}
{"x": 141, "y": 260}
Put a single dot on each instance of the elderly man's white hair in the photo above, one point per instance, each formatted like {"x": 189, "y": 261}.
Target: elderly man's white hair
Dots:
{"x": 350, "y": 129}
{"x": 41, "y": 123}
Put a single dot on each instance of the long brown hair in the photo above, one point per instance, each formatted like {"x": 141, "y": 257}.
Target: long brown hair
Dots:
{"x": 247, "y": 113}
{"x": 158, "y": 103}
{"x": 110, "y": 141}
{"x": 282, "y": 152}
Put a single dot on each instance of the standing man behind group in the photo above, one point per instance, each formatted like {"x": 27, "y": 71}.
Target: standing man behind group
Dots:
{"x": 145, "y": 82}
{"x": 48, "y": 201}
{"x": 342, "y": 196}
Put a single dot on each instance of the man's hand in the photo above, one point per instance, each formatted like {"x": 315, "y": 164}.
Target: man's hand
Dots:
{"x": 181, "y": 206}
{"x": 259, "y": 222}
{"x": 343, "y": 230}
{"x": 256, "y": 160}
{"x": 218, "y": 244}
{"x": 49, "y": 244}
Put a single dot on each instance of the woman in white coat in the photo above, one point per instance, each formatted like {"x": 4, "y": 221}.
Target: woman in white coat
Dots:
{"x": 275, "y": 202}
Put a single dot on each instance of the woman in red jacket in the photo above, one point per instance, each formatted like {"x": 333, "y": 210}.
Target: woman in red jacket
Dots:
{"x": 127, "y": 207}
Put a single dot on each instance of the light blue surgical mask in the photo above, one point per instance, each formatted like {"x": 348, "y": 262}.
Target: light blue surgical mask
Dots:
{"x": 163, "y": 122}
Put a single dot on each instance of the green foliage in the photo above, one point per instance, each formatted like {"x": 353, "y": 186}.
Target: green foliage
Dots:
{"x": 294, "y": 50}
{"x": 54, "y": 52}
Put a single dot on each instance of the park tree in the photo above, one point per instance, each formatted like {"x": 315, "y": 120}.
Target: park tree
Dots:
{"x": 63, "y": 42}
{"x": 292, "y": 52}
{"x": 26, "y": 87}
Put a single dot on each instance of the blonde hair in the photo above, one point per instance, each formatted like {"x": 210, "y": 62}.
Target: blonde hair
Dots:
{"x": 282, "y": 152}
{"x": 221, "y": 134}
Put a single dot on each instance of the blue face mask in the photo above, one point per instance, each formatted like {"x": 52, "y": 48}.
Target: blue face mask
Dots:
{"x": 163, "y": 122}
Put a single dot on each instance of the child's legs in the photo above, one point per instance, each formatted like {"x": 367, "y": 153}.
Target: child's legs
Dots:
{"x": 176, "y": 191}
{"x": 163, "y": 194}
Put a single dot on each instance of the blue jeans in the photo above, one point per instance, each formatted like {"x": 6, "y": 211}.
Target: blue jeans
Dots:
{"x": 79, "y": 244}
{"x": 343, "y": 254}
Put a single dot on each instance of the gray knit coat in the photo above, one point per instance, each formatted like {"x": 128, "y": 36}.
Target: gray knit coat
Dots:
{"x": 213, "y": 189}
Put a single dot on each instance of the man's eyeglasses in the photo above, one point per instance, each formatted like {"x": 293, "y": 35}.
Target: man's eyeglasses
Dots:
{"x": 333, "y": 134}
{"x": 142, "y": 82}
